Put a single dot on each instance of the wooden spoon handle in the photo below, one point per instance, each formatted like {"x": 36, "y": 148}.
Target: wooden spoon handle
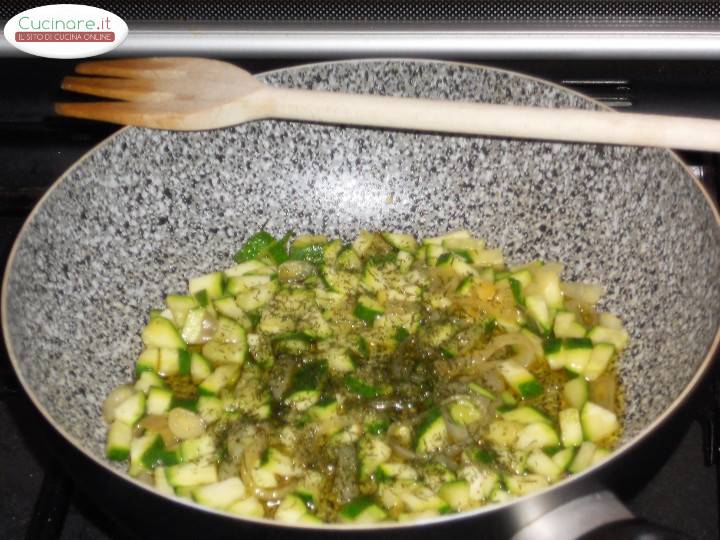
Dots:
{"x": 498, "y": 120}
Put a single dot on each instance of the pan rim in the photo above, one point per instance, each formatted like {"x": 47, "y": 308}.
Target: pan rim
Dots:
{"x": 637, "y": 439}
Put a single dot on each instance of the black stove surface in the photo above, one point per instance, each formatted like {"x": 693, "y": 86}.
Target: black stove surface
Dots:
{"x": 38, "y": 499}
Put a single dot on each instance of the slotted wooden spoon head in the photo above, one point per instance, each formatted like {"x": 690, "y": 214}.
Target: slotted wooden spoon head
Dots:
{"x": 167, "y": 93}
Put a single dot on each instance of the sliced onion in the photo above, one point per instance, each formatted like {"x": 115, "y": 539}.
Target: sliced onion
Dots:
{"x": 116, "y": 397}
{"x": 159, "y": 424}
{"x": 456, "y": 433}
{"x": 402, "y": 452}
{"x": 609, "y": 320}
{"x": 584, "y": 292}
{"x": 274, "y": 494}
{"x": 602, "y": 391}
{"x": 524, "y": 348}
{"x": 185, "y": 424}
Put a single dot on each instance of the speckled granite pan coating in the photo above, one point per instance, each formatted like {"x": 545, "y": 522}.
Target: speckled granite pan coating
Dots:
{"x": 149, "y": 209}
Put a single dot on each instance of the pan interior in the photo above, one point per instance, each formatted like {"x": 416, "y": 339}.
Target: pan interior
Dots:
{"x": 149, "y": 209}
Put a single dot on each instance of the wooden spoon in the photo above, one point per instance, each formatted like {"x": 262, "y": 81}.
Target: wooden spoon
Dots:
{"x": 195, "y": 94}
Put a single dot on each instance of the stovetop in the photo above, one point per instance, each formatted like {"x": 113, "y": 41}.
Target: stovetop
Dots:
{"x": 38, "y": 499}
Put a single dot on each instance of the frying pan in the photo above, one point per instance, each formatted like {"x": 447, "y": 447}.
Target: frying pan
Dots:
{"x": 146, "y": 210}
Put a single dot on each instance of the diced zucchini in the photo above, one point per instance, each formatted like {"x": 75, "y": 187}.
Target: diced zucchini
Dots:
{"x": 520, "y": 379}
{"x": 225, "y": 353}
{"x": 600, "y": 455}
{"x": 522, "y": 485}
{"x": 406, "y": 517}
{"x": 362, "y": 509}
{"x": 567, "y": 326}
{"x": 210, "y": 408}
{"x": 194, "y": 327}
{"x": 482, "y": 481}
{"x": 192, "y": 449}
{"x": 404, "y": 261}
{"x": 456, "y": 494}
{"x": 200, "y": 369}
{"x": 368, "y": 309}
{"x": 242, "y": 284}
{"x": 576, "y": 392}
{"x": 538, "y": 309}
{"x": 275, "y": 462}
{"x": 540, "y": 463}
{"x": 570, "y": 427}
{"x": 461, "y": 268}
{"x": 179, "y": 306}
{"x": 229, "y": 308}
{"x": 563, "y": 458}
{"x": 323, "y": 409}
{"x": 489, "y": 257}
{"x": 223, "y": 376}
{"x": 597, "y": 422}
{"x": 503, "y": 433}
{"x": 314, "y": 325}
{"x": 348, "y": 260}
{"x": 119, "y": 439}
{"x": 433, "y": 253}
{"x": 191, "y": 474}
{"x": 331, "y": 250}
{"x": 339, "y": 360}
{"x": 229, "y": 331}
{"x": 306, "y": 385}
{"x": 507, "y": 399}
{"x": 131, "y": 409}
{"x": 148, "y": 360}
{"x": 451, "y": 236}
{"x": 404, "y": 242}
{"x": 525, "y": 415}
{"x": 212, "y": 284}
{"x": 399, "y": 471}
{"x": 255, "y": 247}
{"x": 247, "y": 507}
{"x": 577, "y": 353}
{"x": 139, "y": 448}
{"x": 174, "y": 362}
{"x": 538, "y": 435}
{"x": 261, "y": 350}
{"x": 160, "y": 333}
{"x": 418, "y": 498}
{"x": 292, "y": 509}
{"x": 219, "y": 494}
{"x": 147, "y": 380}
{"x": 248, "y": 267}
{"x": 159, "y": 400}
{"x": 618, "y": 338}
{"x": 257, "y": 297}
{"x": 161, "y": 483}
{"x": 554, "y": 353}
{"x": 362, "y": 244}
{"x": 373, "y": 279}
{"x": 463, "y": 412}
{"x": 372, "y": 452}
{"x": 439, "y": 333}
{"x": 431, "y": 433}
{"x": 480, "y": 391}
{"x": 524, "y": 277}
{"x": 548, "y": 282}
{"x": 583, "y": 457}
{"x": 600, "y": 358}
